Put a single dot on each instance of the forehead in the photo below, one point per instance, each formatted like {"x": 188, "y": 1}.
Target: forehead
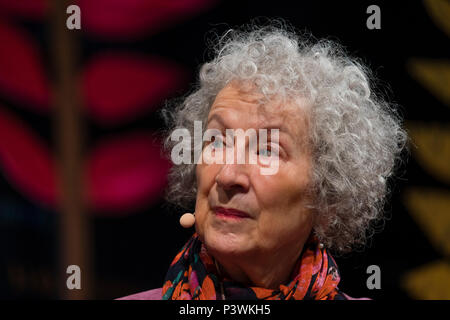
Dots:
{"x": 247, "y": 108}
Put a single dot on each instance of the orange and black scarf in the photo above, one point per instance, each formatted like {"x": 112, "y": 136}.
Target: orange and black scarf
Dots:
{"x": 193, "y": 276}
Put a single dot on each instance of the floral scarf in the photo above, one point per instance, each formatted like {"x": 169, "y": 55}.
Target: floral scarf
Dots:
{"x": 193, "y": 276}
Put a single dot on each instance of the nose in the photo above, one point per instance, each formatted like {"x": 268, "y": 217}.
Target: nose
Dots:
{"x": 233, "y": 178}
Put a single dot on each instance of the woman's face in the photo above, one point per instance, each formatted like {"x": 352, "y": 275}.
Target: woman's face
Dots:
{"x": 276, "y": 220}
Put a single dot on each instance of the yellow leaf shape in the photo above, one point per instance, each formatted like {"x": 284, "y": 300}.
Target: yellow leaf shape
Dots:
{"x": 432, "y": 74}
{"x": 430, "y": 208}
{"x": 439, "y": 11}
{"x": 431, "y": 148}
{"x": 429, "y": 282}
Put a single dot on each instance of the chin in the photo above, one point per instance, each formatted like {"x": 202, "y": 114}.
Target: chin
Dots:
{"x": 225, "y": 244}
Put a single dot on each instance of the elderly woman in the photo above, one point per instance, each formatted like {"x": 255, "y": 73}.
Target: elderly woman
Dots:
{"x": 269, "y": 236}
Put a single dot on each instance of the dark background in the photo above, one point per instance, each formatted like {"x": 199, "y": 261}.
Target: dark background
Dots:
{"x": 132, "y": 248}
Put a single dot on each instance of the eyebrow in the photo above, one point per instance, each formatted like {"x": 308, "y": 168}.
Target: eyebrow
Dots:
{"x": 219, "y": 119}
{"x": 286, "y": 140}
{"x": 216, "y": 117}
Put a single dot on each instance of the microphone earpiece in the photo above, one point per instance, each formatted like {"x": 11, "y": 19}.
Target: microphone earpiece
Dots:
{"x": 187, "y": 220}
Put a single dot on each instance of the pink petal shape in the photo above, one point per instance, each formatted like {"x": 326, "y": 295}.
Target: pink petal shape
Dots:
{"x": 22, "y": 76}
{"x": 125, "y": 174}
{"x": 31, "y": 9}
{"x": 127, "y": 19}
{"x": 26, "y": 161}
{"x": 118, "y": 87}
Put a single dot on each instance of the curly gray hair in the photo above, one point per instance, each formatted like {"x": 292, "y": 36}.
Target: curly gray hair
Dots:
{"x": 355, "y": 134}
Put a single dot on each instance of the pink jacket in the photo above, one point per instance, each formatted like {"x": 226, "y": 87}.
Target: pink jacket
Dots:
{"x": 156, "y": 294}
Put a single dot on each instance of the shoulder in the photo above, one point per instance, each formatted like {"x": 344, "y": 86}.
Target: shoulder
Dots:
{"x": 154, "y": 294}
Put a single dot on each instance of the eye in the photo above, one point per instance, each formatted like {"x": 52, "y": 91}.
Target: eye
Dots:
{"x": 217, "y": 143}
{"x": 265, "y": 152}
{"x": 269, "y": 150}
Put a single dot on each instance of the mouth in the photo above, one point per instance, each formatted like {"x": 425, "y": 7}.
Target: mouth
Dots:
{"x": 230, "y": 213}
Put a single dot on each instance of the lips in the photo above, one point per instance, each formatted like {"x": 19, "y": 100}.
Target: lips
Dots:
{"x": 231, "y": 213}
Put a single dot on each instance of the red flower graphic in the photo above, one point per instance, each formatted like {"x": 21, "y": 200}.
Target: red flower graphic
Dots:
{"x": 122, "y": 173}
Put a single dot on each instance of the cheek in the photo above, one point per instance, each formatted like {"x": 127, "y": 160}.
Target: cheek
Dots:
{"x": 283, "y": 200}
{"x": 284, "y": 225}
{"x": 290, "y": 184}
{"x": 205, "y": 175}
{"x": 285, "y": 189}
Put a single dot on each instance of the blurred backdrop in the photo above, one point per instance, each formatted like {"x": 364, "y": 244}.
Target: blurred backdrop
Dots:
{"x": 81, "y": 172}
